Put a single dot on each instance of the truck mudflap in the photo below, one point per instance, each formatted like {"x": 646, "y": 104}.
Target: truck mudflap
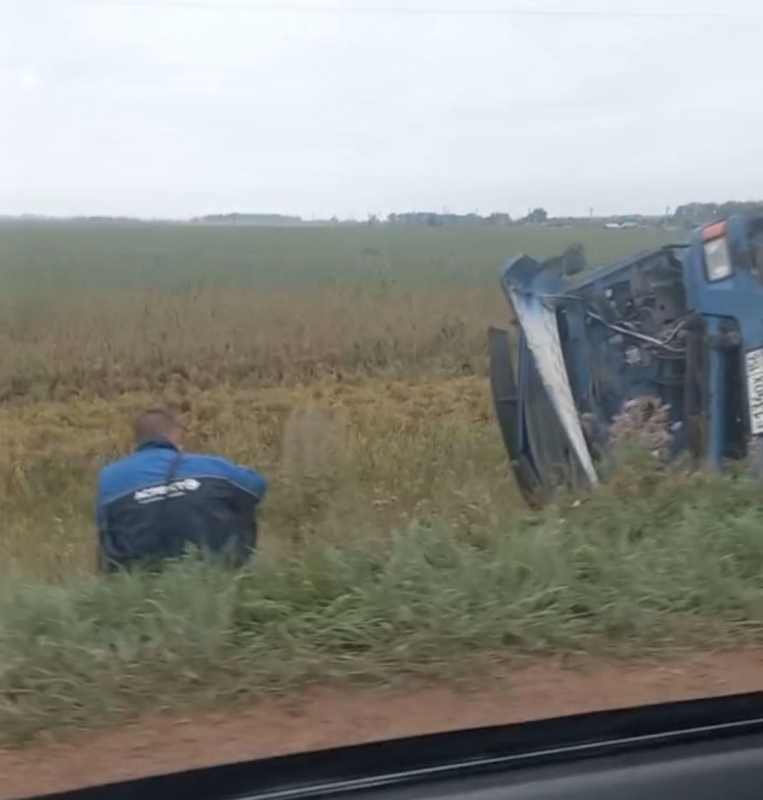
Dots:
{"x": 541, "y": 428}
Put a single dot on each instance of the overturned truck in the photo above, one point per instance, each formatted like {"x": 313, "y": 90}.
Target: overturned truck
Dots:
{"x": 680, "y": 327}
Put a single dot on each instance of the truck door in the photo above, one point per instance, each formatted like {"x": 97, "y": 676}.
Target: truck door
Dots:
{"x": 536, "y": 409}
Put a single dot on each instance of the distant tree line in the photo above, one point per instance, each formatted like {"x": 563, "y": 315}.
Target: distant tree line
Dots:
{"x": 432, "y": 219}
{"x": 693, "y": 214}
{"x": 688, "y": 215}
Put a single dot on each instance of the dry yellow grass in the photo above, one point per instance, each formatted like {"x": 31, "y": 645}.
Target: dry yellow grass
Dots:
{"x": 103, "y": 343}
{"x": 367, "y": 406}
{"x": 350, "y": 365}
{"x": 343, "y": 459}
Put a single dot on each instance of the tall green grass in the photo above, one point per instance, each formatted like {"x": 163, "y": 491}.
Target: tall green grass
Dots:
{"x": 654, "y": 561}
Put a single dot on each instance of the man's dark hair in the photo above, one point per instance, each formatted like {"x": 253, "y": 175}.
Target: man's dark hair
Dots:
{"x": 156, "y": 423}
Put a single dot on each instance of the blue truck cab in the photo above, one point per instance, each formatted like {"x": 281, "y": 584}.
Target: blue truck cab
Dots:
{"x": 681, "y": 324}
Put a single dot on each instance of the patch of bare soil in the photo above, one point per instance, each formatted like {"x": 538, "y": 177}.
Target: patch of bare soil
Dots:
{"x": 323, "y": 718}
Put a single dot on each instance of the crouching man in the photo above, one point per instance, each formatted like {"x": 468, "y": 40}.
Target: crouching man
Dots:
{"x": 158, "y": 501}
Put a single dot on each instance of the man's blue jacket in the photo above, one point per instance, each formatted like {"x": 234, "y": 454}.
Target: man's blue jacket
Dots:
{"x": 156, "y": 502}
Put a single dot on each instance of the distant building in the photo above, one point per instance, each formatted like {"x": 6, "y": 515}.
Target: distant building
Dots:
{"x": 619, "y": 225}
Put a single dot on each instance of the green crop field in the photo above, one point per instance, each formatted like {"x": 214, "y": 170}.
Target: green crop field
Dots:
{"x": 144, "y": 256}
{"x": 349, "y": 365}
{"x": 104, "y": 309}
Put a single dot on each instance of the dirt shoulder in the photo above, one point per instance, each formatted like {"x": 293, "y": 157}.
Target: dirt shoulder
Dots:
{"x": 323, "y": 717}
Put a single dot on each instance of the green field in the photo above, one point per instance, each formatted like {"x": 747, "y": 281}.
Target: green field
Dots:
{"x": 107, "y": 309}
{"x": 657, "y": 563}
{"x": 98, "y": 256}
{"x": 349, "y": 365}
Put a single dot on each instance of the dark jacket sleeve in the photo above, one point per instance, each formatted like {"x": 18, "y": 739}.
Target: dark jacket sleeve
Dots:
{"x": 248, "y": 479}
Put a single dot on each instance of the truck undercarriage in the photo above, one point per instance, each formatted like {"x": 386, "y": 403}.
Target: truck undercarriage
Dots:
{"x": 595, "y": 351}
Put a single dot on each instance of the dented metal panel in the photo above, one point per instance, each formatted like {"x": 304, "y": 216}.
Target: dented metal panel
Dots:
{"x": 542, "y": 334}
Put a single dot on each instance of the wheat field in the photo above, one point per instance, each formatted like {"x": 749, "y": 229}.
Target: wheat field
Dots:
{"x": 349, "y": 364}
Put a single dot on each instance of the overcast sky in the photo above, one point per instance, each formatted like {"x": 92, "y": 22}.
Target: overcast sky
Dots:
{"x": 349, "y": 107}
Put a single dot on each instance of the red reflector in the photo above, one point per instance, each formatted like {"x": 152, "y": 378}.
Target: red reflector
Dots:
{"x": 714, "y": 231}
